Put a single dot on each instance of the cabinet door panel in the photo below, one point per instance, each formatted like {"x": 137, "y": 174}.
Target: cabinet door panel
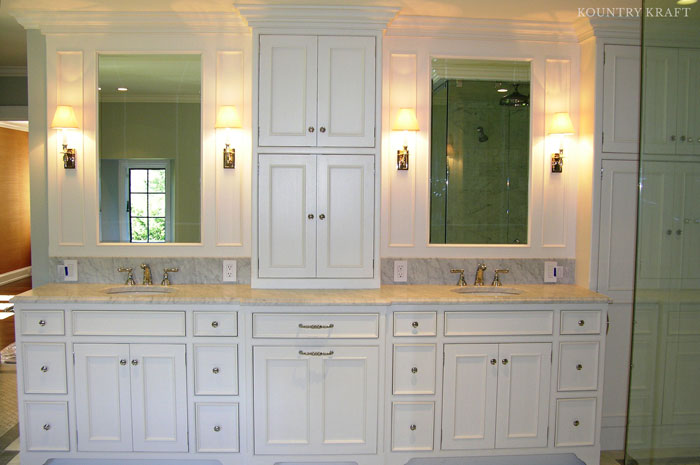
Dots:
{"x": 690, "y": 227}
{"x": 660, "y": 105}
{"x": 688, "y": 114}
{"x": 346, "y": 91}
{"x": 346, "y": 200}
{"x": 159, "y": 397}
{"x": 621, "y": 98}
{"x": 287, "y": 236}
{"x": 102, "y": 382}
{"x": 469, "y": 399}
{"x": 287, "y": 93}
{"x": 523, "y": 395}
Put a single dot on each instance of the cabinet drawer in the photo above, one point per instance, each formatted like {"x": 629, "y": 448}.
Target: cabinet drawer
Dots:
{"x": 575, "y": 422}
{"x": 414, "y": 369}
{"x": 578, "y": 366}
{"x": 415, "y": 324}
{"x": 42, "y": 322}
{"x": 215, "y": 323}
{"x": 46, "y": 426}
{"x": 316, "y": 325}
{"x": 44, "y": 367}
{"x": 128, "y": 323}
{"x": 580, "y": 322}
{"x": 497, "y": 323}
{"x": 412, "y": 426}
{"x": 217, "y": 427}
{"x": 216, "y": 370}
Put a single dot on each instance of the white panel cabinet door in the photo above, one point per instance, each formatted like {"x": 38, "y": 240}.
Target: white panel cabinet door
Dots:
{"x": 346, "y": 91}
{"x": 660, "y": 97}
{"x": 345, "y": 226}
{"x": 287, "y": 90}
{"x": 523, "y": 395}
{"x": 688, "y": 122}
{"x": 621, "y": 86}
{"x": 469, "y": 397}
{"x": 103, "y": 416}
{"x": 159, "y": 397}
{"x": 689, "y": 226}
{"x": 287, "y": 216}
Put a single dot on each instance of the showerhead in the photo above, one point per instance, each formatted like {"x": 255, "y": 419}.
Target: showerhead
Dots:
{"x": 482, "y": 137}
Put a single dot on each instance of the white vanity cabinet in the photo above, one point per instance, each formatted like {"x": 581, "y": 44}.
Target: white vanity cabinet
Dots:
{"x": 316, "y": 91}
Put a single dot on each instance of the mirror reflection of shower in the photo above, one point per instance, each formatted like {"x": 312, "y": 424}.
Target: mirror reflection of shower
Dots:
{"x": 480, "y": 152}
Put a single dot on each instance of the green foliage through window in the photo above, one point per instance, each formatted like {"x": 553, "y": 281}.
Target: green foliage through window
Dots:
{"x": 146, "y": 206}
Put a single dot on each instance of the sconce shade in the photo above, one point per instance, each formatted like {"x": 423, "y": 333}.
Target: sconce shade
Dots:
{"x": 228, "y": 117}
{"x": 561, "y": 124}
{"x": 64, "y": 118}
{"x": 406, "y": 120}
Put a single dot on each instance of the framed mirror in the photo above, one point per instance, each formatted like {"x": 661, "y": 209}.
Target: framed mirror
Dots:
{"x": 480, "y": 151}
{"x": 149, "y": 147}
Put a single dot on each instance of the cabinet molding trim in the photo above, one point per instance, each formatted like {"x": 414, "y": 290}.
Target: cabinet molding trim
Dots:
{"x": 303, "y": 16}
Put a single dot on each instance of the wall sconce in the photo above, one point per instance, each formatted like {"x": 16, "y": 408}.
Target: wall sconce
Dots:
{"x": 561, "y": 125}
{"x": 405, "y": 121}
{"x": 228, "y": 118}
{"x": 63, "y": 120}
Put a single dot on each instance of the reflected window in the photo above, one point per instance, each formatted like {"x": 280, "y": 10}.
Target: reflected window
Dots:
{"x": 146, "y": 205}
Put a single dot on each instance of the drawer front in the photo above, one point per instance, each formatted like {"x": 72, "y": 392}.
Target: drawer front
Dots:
{"x": 498, "y": 323}
{"x": 578, "y": 366}
{"x": 44, "y": 368}
{"x": 215, "y": 323}
{"x": 414, "y": 368}
{"x": 319, "y": 325}
{"x": 216, "y": 370}
{"x": 42, "y": 322}
{"x": 217, "y": 427}
{"x": 412, "y": 426}
{"x": 575, "y": 422}
{"x": 580, "y": 322}
{"x": 127, "y": 323}
{"x": 46, "y": 426}
{"x": 415, "y": 324}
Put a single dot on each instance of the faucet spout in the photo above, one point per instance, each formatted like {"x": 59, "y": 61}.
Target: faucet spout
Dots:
{"x": 147, "y": 278}
{"x": 479, "y": 278}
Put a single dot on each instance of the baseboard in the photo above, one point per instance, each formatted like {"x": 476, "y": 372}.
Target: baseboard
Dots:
{"x": 15, "y": 275}
{"x": 612, "y": 432}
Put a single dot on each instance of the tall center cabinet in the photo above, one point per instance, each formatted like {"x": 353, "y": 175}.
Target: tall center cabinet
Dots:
{"x": 316, "y": 158}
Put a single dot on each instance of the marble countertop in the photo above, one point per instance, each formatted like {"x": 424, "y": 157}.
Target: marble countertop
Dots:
{"x": 244, "y": 295}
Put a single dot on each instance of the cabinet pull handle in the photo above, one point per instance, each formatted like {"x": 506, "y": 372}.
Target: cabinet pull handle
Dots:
{"x": 214, "y": 324}
{"x": 311, "y": 129}
{"x": 47, "y": 426}
{"x": 322, "y": 129}
{"x": 134, "y": 362}
{"x": 576, "y": 422}
{"x": 310, "y": 216}
{"x": 44, "y": 368}
{"x": 679, "y": 232}
{"x": 215, "y": 370}
{"x": 42, "y": 322}
{"x": 321, "y": 216}
{"x": 581, "y": 322}
{"x": 328, "y": 326}
{"x": 412, "y": 427}
{"x": 316, "y": 354}
{"x": 217, "y": 428}
{"x": 669, "y": 232}
{"x": 579, "y": 367}
{"x": 504, "y": 361}
{"x": 122, "y": 362}
{"x": 494, "y": 361}
{"x": 682, "y": 138}
{"x": 414, "y": 324}
{"x": 414, "y": 370}
{"x": 673, "y": 138}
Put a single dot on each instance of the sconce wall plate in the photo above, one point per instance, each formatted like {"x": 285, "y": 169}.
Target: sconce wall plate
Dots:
{"x": 402, "y": 159}
{"x": 558, "y": 161}
{"x": 229, "y": 157}
{"x": 68, "y": 158}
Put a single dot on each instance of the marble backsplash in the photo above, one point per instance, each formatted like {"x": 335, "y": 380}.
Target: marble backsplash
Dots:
{"x": 209, "y": 270}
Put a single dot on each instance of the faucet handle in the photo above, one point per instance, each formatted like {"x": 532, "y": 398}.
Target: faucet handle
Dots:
{"x": 129, "y": 276}
{"x": 496, "y": 277}
{"x": 166, "y": 278}
{"x": 457, "y": 270}
{"x": 461, "y": 282}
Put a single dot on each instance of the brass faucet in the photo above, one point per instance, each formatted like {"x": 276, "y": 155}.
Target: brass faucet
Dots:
{"x": 461, "y": 282}
{"x": 147, "y": 279}
{"x": 496, "y": 277}
{"x": 129, "y": 276}
{"x": 479, "y": 278}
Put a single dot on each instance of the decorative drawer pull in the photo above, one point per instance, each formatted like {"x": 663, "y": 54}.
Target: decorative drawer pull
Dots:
{"x": 579, "y": 367}
{"x": 414, "y": 370}
{"x": 316, "y": 354}
{"x": 44, "y": 368}
{"x": 42, "y": 322}
{"x": 328, "y": 326}
{"x": 414, "y": 324}
{"x": 576, "y": 422}
{"x": 122, "y": 362}
{"x": 321, "y": 216}
{"x": 47, "y": 427}
{"x": 581, "y": 322}
{"x": 412, "y": 427}
{"x": 322, "y": 129}
{"x": 311, "y": 129}
{"x": 494, "y": 361}
{"x": 214, "y": 324}
{"x": 217, "y": 428}
{"x": 310, "y": 216}
{"x": 134, "y": 362}
{"x": 215, "y": 370}
{"x": 504, "y": 361}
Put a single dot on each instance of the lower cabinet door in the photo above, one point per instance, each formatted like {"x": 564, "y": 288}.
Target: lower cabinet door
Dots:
{"x": 159, "y": 397}
{"x": 217, "y": 427}
{"x": 575, "y": 422}
{"x": 45, "y": 426}
{"x": 412, "y": 426}
{"x": 523, "y": 395}
{"x": 315, "y": 400}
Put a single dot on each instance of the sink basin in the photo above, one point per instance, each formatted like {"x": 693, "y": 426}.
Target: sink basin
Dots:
{"x": 139, "y": 290}
{"x": 490, "y": 290}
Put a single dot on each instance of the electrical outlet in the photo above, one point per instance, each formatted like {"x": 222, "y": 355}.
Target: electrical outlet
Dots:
{"x": 551, "y": 272}
{"x": 229, "y": 271}
{"x": 69, "y": 270}
{"x": 400, "y": 271}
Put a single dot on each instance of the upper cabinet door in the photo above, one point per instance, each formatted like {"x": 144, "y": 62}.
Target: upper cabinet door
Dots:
{"x": 621, "y": 99}
{"x": 345, "y": 226}
{"x": 287, "y": 216}
{"x": 688, "y": 141}
{"x": 346, "y": 104}
{"x": 660, "y": 96}
{"x": 287, "y": 93}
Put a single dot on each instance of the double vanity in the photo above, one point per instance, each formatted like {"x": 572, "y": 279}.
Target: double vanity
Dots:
{"x": 217, "y": 374}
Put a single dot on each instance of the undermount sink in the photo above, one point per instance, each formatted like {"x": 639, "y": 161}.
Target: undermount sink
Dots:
{"x": 490, "y": 290}
{"x": 139, "y": 290}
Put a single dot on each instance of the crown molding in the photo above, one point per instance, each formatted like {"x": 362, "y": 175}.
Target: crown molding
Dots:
{"x": 56, "y": 22}
{"x": 13, "y": 71}
{"x": 485, "y": 29}
{"x": 625, "y": 28}
{"x": 15, "y": 125}
{"x": 303, "y": 16}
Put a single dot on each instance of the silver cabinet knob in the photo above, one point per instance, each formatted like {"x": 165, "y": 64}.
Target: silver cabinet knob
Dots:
{"x": 682, "y": 138}
{"x": 414, "y": 370}
{"x": 576, "y": 422}
{"x": 504, "y": 361}
{"x": 669, "y": 232}
{"x": 581, "y": 322}
{"x": 679, "y": 232}
{"x": 134, "y": 362}
{"x": 214, "y": 324}
{"x": 494, "y": 361}
{"x": 579, "y": 367}
{"x": 217, "y": 428}
{"x": 310, "y": 216}
{"x": 412, "y": 427}
{"x": 42, "y": 322}
{"x": 414, "y": 324}
{"x": 690, "y": 139}
{"x": 47, "y": 426}
{"x": 321, "y": 216}
{"x": 122, "y": 362}
{"x": 673, "y": 138}
{"x": 215, "y": 370}
{"x": 44, "y": 368}
{"x": 311, "y": 129}
{"x": 322, "y": 129}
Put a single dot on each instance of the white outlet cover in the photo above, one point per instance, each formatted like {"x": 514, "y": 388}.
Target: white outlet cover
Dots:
{"x": 229, "y": 271}
{"x": 400, "y": 271}
{"x": 551, "y": 270}
{"x": 70, "y": 270}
